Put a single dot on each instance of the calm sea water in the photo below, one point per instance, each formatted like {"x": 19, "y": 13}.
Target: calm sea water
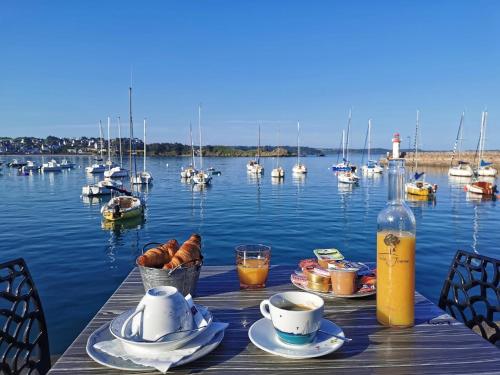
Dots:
{"x": 77, "y": 262}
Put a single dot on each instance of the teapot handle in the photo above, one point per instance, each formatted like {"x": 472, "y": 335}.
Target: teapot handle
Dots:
{"x": 125, "y": 324}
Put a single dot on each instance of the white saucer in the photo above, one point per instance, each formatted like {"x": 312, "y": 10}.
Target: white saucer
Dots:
{"x": 263, "y": 336}
{"x": 171, "y": 342}
{"x": 103, "y": 334}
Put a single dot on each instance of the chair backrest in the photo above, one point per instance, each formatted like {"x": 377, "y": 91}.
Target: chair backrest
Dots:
{"x": 471, "y": 293}
{"x": 24, "y": 341}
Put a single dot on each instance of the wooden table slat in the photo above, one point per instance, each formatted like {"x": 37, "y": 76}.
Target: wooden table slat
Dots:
{"x": 436, "y": 345}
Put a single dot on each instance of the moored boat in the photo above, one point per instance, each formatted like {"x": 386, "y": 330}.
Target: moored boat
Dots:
{"x": 123, "y": 207}
{"x": 31, "y": 166}
{"x": 484, "y": 168}
{"x": 299, "y": 168}
{"x": 144, "y": 177}
{"x": 51, "y": 166}
{"x": 371, "y": 167}
{"x": 348, "y": 177}
{"x": 254, "y": 166}
{"x": 65, "y": 164}
{"x": 201, "y": 177}
{"x": 482, "y": 187}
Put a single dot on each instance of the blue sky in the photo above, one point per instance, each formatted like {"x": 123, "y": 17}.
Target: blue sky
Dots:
{"x": 65, "y": 64}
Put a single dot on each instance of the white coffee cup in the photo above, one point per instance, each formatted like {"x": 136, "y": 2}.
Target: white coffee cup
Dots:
{"x": 162, "y": 310}
{"x": 293, "y": 324}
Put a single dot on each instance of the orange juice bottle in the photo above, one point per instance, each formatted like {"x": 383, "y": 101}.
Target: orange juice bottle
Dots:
{"x": 396, "y": 255}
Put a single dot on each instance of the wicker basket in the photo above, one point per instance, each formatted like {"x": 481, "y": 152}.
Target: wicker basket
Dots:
{"x": 183, "y": 278}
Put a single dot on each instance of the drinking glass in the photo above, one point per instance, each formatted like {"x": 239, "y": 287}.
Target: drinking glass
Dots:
{"x": 252, "y": 262}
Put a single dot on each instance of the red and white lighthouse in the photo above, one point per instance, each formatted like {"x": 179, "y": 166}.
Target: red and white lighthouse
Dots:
{"x": 395, "y": 146}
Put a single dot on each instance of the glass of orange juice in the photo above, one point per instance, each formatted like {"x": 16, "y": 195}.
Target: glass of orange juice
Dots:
{"x": 252, "y": 262}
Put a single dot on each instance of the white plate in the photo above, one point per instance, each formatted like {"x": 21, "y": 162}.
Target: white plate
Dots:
{"x": 330, "y": 295}
{"x": 116, "y": 328}
{"x": 103, "y": 334}
{"x": 263, "y": 335}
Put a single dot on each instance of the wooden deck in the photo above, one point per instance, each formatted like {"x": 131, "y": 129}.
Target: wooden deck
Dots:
{"x": 436, "y": 345}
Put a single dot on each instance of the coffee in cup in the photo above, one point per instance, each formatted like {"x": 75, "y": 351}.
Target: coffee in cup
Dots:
{"x": 296, "y": 316}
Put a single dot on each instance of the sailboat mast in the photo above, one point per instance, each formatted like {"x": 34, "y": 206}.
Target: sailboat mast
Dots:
{"x": 369, "y": 139}
{"x": 100, "y": 138}
{"x": 109, "y": 144}
{"x": 343, "y": 145}
{"x": 199, "y": 128}
{"x": 415, "y": 156}
{"x": 120, "y": 139}
{"x": 131, "y": 135}
{"x": 144, "y": 159}
{"x": 258, "y": 149}
{"x": 484, "y": 132}
{"x": 347, "y": 137}
{"x": 193, "y": 162}
{"x": 461, "y": 135}
{"x": 298, "y": 143}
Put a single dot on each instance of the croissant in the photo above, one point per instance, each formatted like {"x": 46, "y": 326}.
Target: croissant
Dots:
{"x": 158, "y": 256}
{"x": 189, "y": 253}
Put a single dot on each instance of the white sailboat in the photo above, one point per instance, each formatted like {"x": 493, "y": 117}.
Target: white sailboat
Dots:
{"x": 190, "y": 171}
{"x": 299, "y": 168}
{"x": 344, "y": 165}
{"x": 371, "y": 167}
{"x": 347, "y": 176}
{"x": 201, "y": 177}
{"x": 253, "y": 166}
{"x": 463, "y": 168}
{"x": 144, "y": 177}
{"x": 484, "y": 168}
{"x": 98, "y": 166}
{"x": 126, "y": 205}
{"x": 278, "y": 172}
{"x": 417, "y": 185}
{"x": 117, "y": 171}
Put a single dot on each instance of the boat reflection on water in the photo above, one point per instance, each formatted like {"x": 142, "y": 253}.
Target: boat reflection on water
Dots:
{"x": 421, "y": 200}
{"x": 299, "y": 179}
{"x": 459, "y": 182}
{"x": 91, "y": 201}
{"x": 120, "y": 226}
{"x": 144, "y": 188}
{"x": 201, "y": 187}
{"x": 474, "y": 197}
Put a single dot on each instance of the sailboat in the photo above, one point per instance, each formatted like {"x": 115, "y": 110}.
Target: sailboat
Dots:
{"x": 371, "y": 167}
{"x": 254, "y": 166}
{"x": 484, "y": 168}
{"x": 201, "y": 177}
{"x": 117, "y": 171}
{"x": 51, "y": 166}
{"x": 126, "y": 205}
{"x": 463, "y": 168}
{"x": 344, "y": 164}
{"x": 484, "y": 188}
{"x": 416, "y": 186}
{"x": 299, "y": 168}
{"x": 190, "y": 171}
{"x": 145, "y": 177}
{"x": 348, "y": 175}
{"x": 98, "y": 166}
{"x": 278, "y": 172}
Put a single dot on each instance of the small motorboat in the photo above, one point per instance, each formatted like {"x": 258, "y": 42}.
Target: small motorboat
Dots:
{"x": 51, "y": 166}
{"x": 123, "y": 207}
{"x": 482, "y": 187}
{"x": 65, "y": 164}
{"x": 421, "y": 188}
{"x": 116, "y": 172}
{"x": 30, "y": 166}
{"x": 16, "y": 164}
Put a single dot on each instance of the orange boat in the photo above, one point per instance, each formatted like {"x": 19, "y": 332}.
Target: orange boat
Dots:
{"x": 482, "y": 187}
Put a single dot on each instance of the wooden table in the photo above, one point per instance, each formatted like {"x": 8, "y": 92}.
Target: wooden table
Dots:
{"x": 437, "y": 344}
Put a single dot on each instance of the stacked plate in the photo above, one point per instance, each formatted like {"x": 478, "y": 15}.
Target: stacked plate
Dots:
{"x": 135, "y": 346}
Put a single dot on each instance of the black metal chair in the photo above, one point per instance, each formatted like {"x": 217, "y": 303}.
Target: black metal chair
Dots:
{"x": 471, "y": 293}
{"x": 24, "y": 341}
